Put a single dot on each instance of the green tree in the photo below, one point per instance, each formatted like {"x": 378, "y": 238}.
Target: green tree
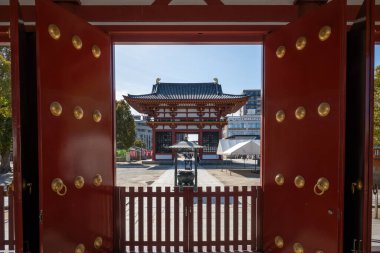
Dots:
{"x": 5, "y": 109}
{"x": 139, "y": 143}
{"x": 125, "y": 125}
{"x": 376, "y": 130}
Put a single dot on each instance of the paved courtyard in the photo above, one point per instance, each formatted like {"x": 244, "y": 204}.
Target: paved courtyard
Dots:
{"x": 138, "y": 174}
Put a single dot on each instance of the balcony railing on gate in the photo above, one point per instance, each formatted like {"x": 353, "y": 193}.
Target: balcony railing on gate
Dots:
{"x": 211, "y": 219}
{"x": 7, "y": 242}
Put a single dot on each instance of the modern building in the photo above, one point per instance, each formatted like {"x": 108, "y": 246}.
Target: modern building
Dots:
{"x": 143, "y": 131}
{"x": 254, "y": 102}
{"x": 245, "y": 125}
{"x": 179, "y": 109}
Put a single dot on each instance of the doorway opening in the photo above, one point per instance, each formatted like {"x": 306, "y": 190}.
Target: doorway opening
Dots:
{"x": 213, "y": 94}
{"x": 376, "y": 155}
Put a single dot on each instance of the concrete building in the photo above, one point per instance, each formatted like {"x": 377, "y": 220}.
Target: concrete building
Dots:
{"x": 245, "y": 125}
{"x": 143, "y": 131}
{"x": 254, "y": 102}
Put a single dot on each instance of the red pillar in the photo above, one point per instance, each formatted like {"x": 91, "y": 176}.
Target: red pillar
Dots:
{"x": 154, "y": 143}
{"x": 220, "y": 136}
{"x": 200, "y": 141}
{"x": 173, "y": 140}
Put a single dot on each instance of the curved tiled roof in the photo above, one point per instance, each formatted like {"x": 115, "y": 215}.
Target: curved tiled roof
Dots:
{"x": 186, "y": 91}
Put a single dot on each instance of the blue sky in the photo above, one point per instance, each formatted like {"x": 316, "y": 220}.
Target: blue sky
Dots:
{"x": 237, "y": 67}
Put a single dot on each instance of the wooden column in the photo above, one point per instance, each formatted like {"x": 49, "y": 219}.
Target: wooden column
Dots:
{"x": 173, "y": 137}
{"x": 220, "y": 127}
{"x": 200, "y": 140}
{"x": 154, "y": 143}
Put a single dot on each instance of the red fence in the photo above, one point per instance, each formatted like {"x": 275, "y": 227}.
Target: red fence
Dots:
{"x": 7, "y": 241}
{"x": 220, "y": 219}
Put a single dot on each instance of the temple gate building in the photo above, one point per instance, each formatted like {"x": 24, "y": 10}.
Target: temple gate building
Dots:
{"x": 179, "y": 109}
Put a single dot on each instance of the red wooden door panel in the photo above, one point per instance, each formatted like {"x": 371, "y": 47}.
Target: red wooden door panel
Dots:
{"x": 16, "y": 122}
{"x": 311, "y": 147}
{"x": 74, "y": 76}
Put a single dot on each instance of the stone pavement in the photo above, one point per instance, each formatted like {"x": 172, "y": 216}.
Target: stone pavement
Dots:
{"x": 204, "y": 178}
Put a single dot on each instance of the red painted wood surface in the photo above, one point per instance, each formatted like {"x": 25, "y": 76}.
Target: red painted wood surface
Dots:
{"x": 7, "y": 219}
{"x": 201, "y": 234}
{"x": 128, "y": 32}
{"x": 69, "y": 147}
{"x": 305, "y": 78}
{"x": 16, "y": 120}
{"x": 369, "y": 125}
{"x": 2, "y": 219}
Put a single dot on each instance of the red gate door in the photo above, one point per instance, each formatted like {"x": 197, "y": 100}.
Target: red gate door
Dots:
{"x": 75, "y": 121}
{"x": 304, "y": 137}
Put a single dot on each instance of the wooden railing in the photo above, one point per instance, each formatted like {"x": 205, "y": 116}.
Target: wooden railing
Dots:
{"x": 7, "y": 242}
{"x": 220, "y": 219}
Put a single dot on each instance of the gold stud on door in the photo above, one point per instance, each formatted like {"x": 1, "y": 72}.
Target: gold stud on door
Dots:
{"x": 78, "y": 112}
{"x": 298, "y": 248}
{"x": 98, "y": 242}
{"x": 79, "y": 182}
{"x": 279, "y": 179}
{"x": 279, "y": 242}
{"x": 80, "y": 248}
{"x": 300, "y": 112}
{"x": 96, "y": 51}
{"x": 77, "y": 42}
{"x": 59, "y": 187}
{"x": 56, "y": 109}
{"x": 280, "y": 53}
{"x": 54, "y": 31}
{"x": 321, "y": 186}
{"x": 324, "y": 109}
{"x": 299, "y": 181}
{"x": 324, "y": 33}
{"x": 280, "y": 116}
{"x": 97, "y": 116}
{"x": 98, "y": 180}
{"x": 301, "y": 43}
